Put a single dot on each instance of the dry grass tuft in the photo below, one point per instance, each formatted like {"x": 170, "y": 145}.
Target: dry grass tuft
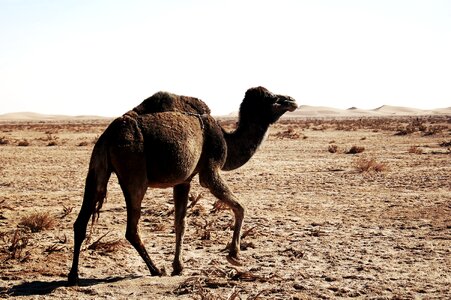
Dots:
{"x": 54, "y": 248}
{"x": 194, "y": 198}
{"x": 356, "y": 150}
{"x": 107, "y": 246}
{"x": 38, "y": 221}
{"x": 4, "y": 141}
{"x": 368, "y": 165}
{"x": 332, "y": 148}
{"x": 194, "y": 286}
{"x": 289, "y": 133}
{"x": 16, "y": 244}
{"x": 415, "y": 150}
{"x": 66, "y": 211}
{"x": 23, "y": 143}
{"x": 203, "y": 229}
{"x": 3, "y": 205}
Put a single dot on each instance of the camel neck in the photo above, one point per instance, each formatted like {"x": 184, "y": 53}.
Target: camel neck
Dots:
{"x": 242, "y": 144}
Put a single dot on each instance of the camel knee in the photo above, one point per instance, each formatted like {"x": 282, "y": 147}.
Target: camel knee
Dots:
{"x": 132, "y": 236}
{"x": 238, "y": 210}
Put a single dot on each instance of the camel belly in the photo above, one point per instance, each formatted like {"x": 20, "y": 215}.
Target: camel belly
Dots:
{"x": 172, "y": 145}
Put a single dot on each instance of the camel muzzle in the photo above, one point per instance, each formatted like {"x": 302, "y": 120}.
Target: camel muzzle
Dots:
{"x": 287, "y": 103}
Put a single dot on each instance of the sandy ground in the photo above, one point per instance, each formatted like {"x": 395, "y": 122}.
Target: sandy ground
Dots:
{"x": 315, "y": 228}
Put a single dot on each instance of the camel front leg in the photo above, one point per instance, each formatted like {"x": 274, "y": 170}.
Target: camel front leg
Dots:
{"x": 220, "y": 190}
{"x": 181, "y": 193}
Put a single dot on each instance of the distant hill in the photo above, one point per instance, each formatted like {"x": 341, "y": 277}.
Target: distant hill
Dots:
{"x": 24, "y": 116}
{"x": 302, "y": 111}
{"x": 385, "y": 110}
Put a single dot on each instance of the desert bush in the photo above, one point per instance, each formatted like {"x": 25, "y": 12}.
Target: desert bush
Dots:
{"x": 445, "y": 144}
{"x": 333, "y": 148}
{"x": 4, "y": 141}
{"x": 355, "y": 150}
{"x": 38, "y": 221}
{"x": 3, "y": 205}
{"x": 23, "y": 143}
{"x": 415, "y": 150}
{"x": 15, "y": 245}
{"x": 83, "y": 143}
{"x": 367, "y": 165}
{"x": 66, "y": 211}
{"x": 433, "y": 130}
{"x": 106, "y": 246}
{"x": 54, "y": 248}
{"x": 52, "y": 143}
{"x": 195, "y": 286}
{"x": 289, "y": 133}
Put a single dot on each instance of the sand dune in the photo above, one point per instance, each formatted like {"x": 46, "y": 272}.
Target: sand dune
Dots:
{"x": 302, "y": 111}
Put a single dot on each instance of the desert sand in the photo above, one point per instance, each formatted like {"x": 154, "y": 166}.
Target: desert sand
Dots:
{"x": 321, "y": 223}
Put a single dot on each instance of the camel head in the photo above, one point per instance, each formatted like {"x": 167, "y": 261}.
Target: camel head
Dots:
{"x": 261, "y": 106}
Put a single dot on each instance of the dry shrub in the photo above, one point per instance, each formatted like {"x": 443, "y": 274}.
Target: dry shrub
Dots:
{"x": 54, "y": 248}
{"x": 23, "y": 143}
{"x": 333, "y": 148}
{"x": 290, "y": 133}
{"x": 445, "y": 144}
{"x": 415, "y": 150}
{"x": 368, "y": 165}
{"x": 38, "y": 221}
{"x": 433, "y": 130}
{"x": 16, "y": 244}
{"x": 204, "y": 229}
{"x": 194, "y": 286}
{"x": 52, "y": 143}
{"x": 194, "y": 198}
{"x": 355, "y": 150}
{"x": 107, "y": 246}
{"x": 83, "y": 143}
{"x": 4, "y": 141}
{"x": 3, "y": 205}
{"x": 66, "y": 211}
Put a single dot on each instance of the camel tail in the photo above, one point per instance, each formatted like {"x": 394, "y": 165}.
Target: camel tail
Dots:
{"x": 97, "y": 179}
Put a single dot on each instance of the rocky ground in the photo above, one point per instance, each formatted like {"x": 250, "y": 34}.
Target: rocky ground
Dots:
{"x": 320, "y": 222}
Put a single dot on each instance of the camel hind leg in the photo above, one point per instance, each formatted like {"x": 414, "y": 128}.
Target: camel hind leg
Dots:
{"x": 131, "y": 172}
{"x": 133, "y": 198}
{"x": 95, "y": 192}
{"x": 181, "y": 193}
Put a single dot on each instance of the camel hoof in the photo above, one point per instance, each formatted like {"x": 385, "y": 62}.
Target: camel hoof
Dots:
{"x": 234, "y": 260}
{"x": 73, "y": 279}
{"x": 176, "y": 272}
{"x": 176, "y": 269}
{"x": 154, "y": 271}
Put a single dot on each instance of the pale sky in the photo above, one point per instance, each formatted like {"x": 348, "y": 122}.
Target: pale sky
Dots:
{"x": 103, "y": 57}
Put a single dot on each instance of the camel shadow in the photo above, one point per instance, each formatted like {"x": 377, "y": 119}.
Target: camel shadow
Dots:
{"x": 34, "y": 288}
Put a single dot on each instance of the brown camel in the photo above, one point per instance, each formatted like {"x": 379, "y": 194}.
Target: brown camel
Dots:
{"x": 165, "y": 142}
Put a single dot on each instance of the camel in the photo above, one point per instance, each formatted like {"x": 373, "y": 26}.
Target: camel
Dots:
{"x": 165, "y": 142}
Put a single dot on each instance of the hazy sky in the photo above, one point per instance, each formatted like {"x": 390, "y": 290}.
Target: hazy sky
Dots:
{"x": 104, "y": 57}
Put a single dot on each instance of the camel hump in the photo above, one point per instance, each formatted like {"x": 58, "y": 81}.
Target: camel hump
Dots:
{"x": 164, "y": 102}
